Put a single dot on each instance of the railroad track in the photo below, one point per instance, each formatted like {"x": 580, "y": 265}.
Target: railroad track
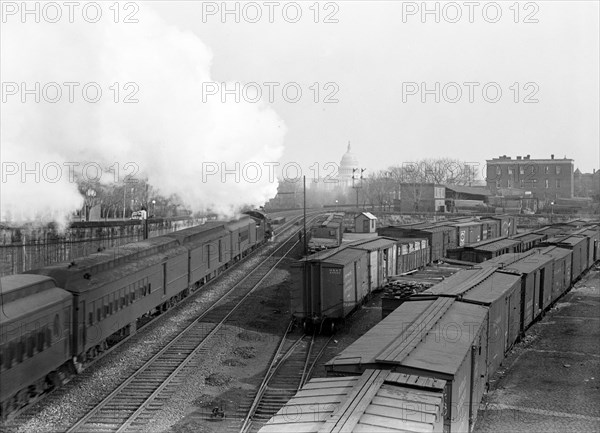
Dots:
{"x": 133, "y": 403}
{"x": 291, "y": 367}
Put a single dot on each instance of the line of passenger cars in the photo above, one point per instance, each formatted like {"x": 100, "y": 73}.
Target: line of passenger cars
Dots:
{"x": 56, "y": 319}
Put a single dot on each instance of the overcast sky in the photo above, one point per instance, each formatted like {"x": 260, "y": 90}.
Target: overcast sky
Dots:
{"x": 370, "y": 52}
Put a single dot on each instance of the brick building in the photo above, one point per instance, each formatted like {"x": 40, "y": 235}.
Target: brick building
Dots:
{"x": 422, "y": 197}
{"x": 545, "y": 179}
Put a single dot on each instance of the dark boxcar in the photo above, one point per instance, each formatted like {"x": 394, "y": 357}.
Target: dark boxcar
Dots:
{"x": 578, "y": 245}
{"x": 35, "y": 329}
{"x": 500, "y": 293}
{"x": 442, "y": 339}
{"x": 592, "y": 234}
{"x": 331, "y": 285}
{"x": 486, "y": 250}
{"x": 468, "y": 233}
{"x": 561, "y": 280}
{"x": 381, "y": 258}
{"x": 536, "y": 285}
{"x": 528, "y": 240}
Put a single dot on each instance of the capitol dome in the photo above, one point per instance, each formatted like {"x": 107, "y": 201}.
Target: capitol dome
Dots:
{"x": 348, "y": 162}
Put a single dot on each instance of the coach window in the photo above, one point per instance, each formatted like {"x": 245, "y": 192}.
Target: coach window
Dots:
{"x": 40, "y": 340}
{"x": 20, "y": 350}
{"x": 56, "y": 327}
{"x": 30, "y": 345}
{"x": 8, "y": 355}
{"x": 48, "y": 336}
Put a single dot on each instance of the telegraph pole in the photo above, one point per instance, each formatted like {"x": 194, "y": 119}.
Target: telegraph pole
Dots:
{"x": 304, "y": 195}
{"x": 359, "y": 186}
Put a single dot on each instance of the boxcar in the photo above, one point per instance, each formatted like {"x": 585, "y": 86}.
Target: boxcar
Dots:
{"x": 381, "y": 259}
{"x": 593, "y": 243}
{"x": 468, "y": 233}
{"x": 536, "y": 285}
{"x": 528, "y": 240}
{"x": 500, "y": 293}
{"x": 561, "y": 280}
{"x": 377, "y": 400}
{"x": 328, "y": 286}
{"x": 442, "y": 339}
{"x": 578, "y": 245}
{"x": 35, "y": 329}
{"x": 438, "y": 237}
{"x": 485, "y": 250}
{"x": 413, "y": 254}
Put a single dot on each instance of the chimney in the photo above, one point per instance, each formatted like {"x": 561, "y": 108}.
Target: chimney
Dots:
{"x": 552, "y": 156}
{"x": 528, "y": 156}
{"x": 518, "y": 157}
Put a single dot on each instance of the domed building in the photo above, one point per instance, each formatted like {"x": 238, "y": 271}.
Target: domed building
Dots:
{"x": 348, "y": 163}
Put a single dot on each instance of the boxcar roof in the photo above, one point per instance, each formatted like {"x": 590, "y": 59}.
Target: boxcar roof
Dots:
{"x": 433, "y": 336}
{"x": 461, "y": 281}
{"x": 571, "y": 240}
{"x": 556, "y": 252}
{"x": 506, "y": 259}
{"x": 492, "y": 288}
{"x": 344, "y": 256}
{"x": 496, "y": 245}
{"x": 530, "y": 263}
{"x": 374, "y": 244}
{"x": 374, "y": 401}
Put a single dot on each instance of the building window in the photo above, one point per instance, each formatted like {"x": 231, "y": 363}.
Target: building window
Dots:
{"x": 558, "y": 183}
{"x": 497, "y": 184}
{"x": 521, "y": 170}
{"x": 546, "y": 183}
{"x": 546, "y": 169}
{"x": 498, "y": 170}
{"x": 510, "y": 170}
{"x": 557, "y": 169}
{"x": 509, "y": 183}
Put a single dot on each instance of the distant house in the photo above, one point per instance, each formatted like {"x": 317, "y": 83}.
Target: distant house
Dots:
{"x": 422, "y": 197}
{"x": 365, "y": 223}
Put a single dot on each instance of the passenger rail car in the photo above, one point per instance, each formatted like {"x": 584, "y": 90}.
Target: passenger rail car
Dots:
{"x": 58, "y": 318}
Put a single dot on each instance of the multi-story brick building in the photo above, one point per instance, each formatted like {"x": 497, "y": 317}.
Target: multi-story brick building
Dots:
{"x": 422, "y": 197}
{"x": 544, "y": 179}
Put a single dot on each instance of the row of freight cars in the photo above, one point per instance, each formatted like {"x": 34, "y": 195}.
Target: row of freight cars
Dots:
{"x": 328, "y": 285}
{"x": 59, "y": 317}
{"x": 426, "y": 365}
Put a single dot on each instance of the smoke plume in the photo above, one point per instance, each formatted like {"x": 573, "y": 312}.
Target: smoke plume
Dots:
{"x": 168, "y": 136}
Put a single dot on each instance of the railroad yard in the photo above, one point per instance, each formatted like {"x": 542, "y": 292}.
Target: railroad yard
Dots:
{"x": 551, "y": 381}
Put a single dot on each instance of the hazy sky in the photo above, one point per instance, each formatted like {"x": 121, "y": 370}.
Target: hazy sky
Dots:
{"x": 377, "y": 46}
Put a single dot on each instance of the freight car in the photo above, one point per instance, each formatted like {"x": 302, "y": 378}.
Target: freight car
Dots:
{"x": 329, "y": 285}
{"x": 460, "y": 330}
{"x": 58, "y": 318}
{"x": 326, "y": 232}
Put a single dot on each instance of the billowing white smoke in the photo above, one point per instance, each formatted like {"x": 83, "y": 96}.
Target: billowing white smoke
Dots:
{"x": 170, "y": 134}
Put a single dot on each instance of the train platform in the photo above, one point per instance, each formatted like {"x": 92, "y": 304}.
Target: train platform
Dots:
{"x": 551, "y": 380}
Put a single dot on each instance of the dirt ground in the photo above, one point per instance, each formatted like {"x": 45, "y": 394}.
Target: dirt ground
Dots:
{"x": 551, "y": 381}
{"x": 227, "y": 381}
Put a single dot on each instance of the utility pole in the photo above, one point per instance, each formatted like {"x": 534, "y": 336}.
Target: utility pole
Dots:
{"x": 305, "y": 243}
{"x": 359, "y": 186}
